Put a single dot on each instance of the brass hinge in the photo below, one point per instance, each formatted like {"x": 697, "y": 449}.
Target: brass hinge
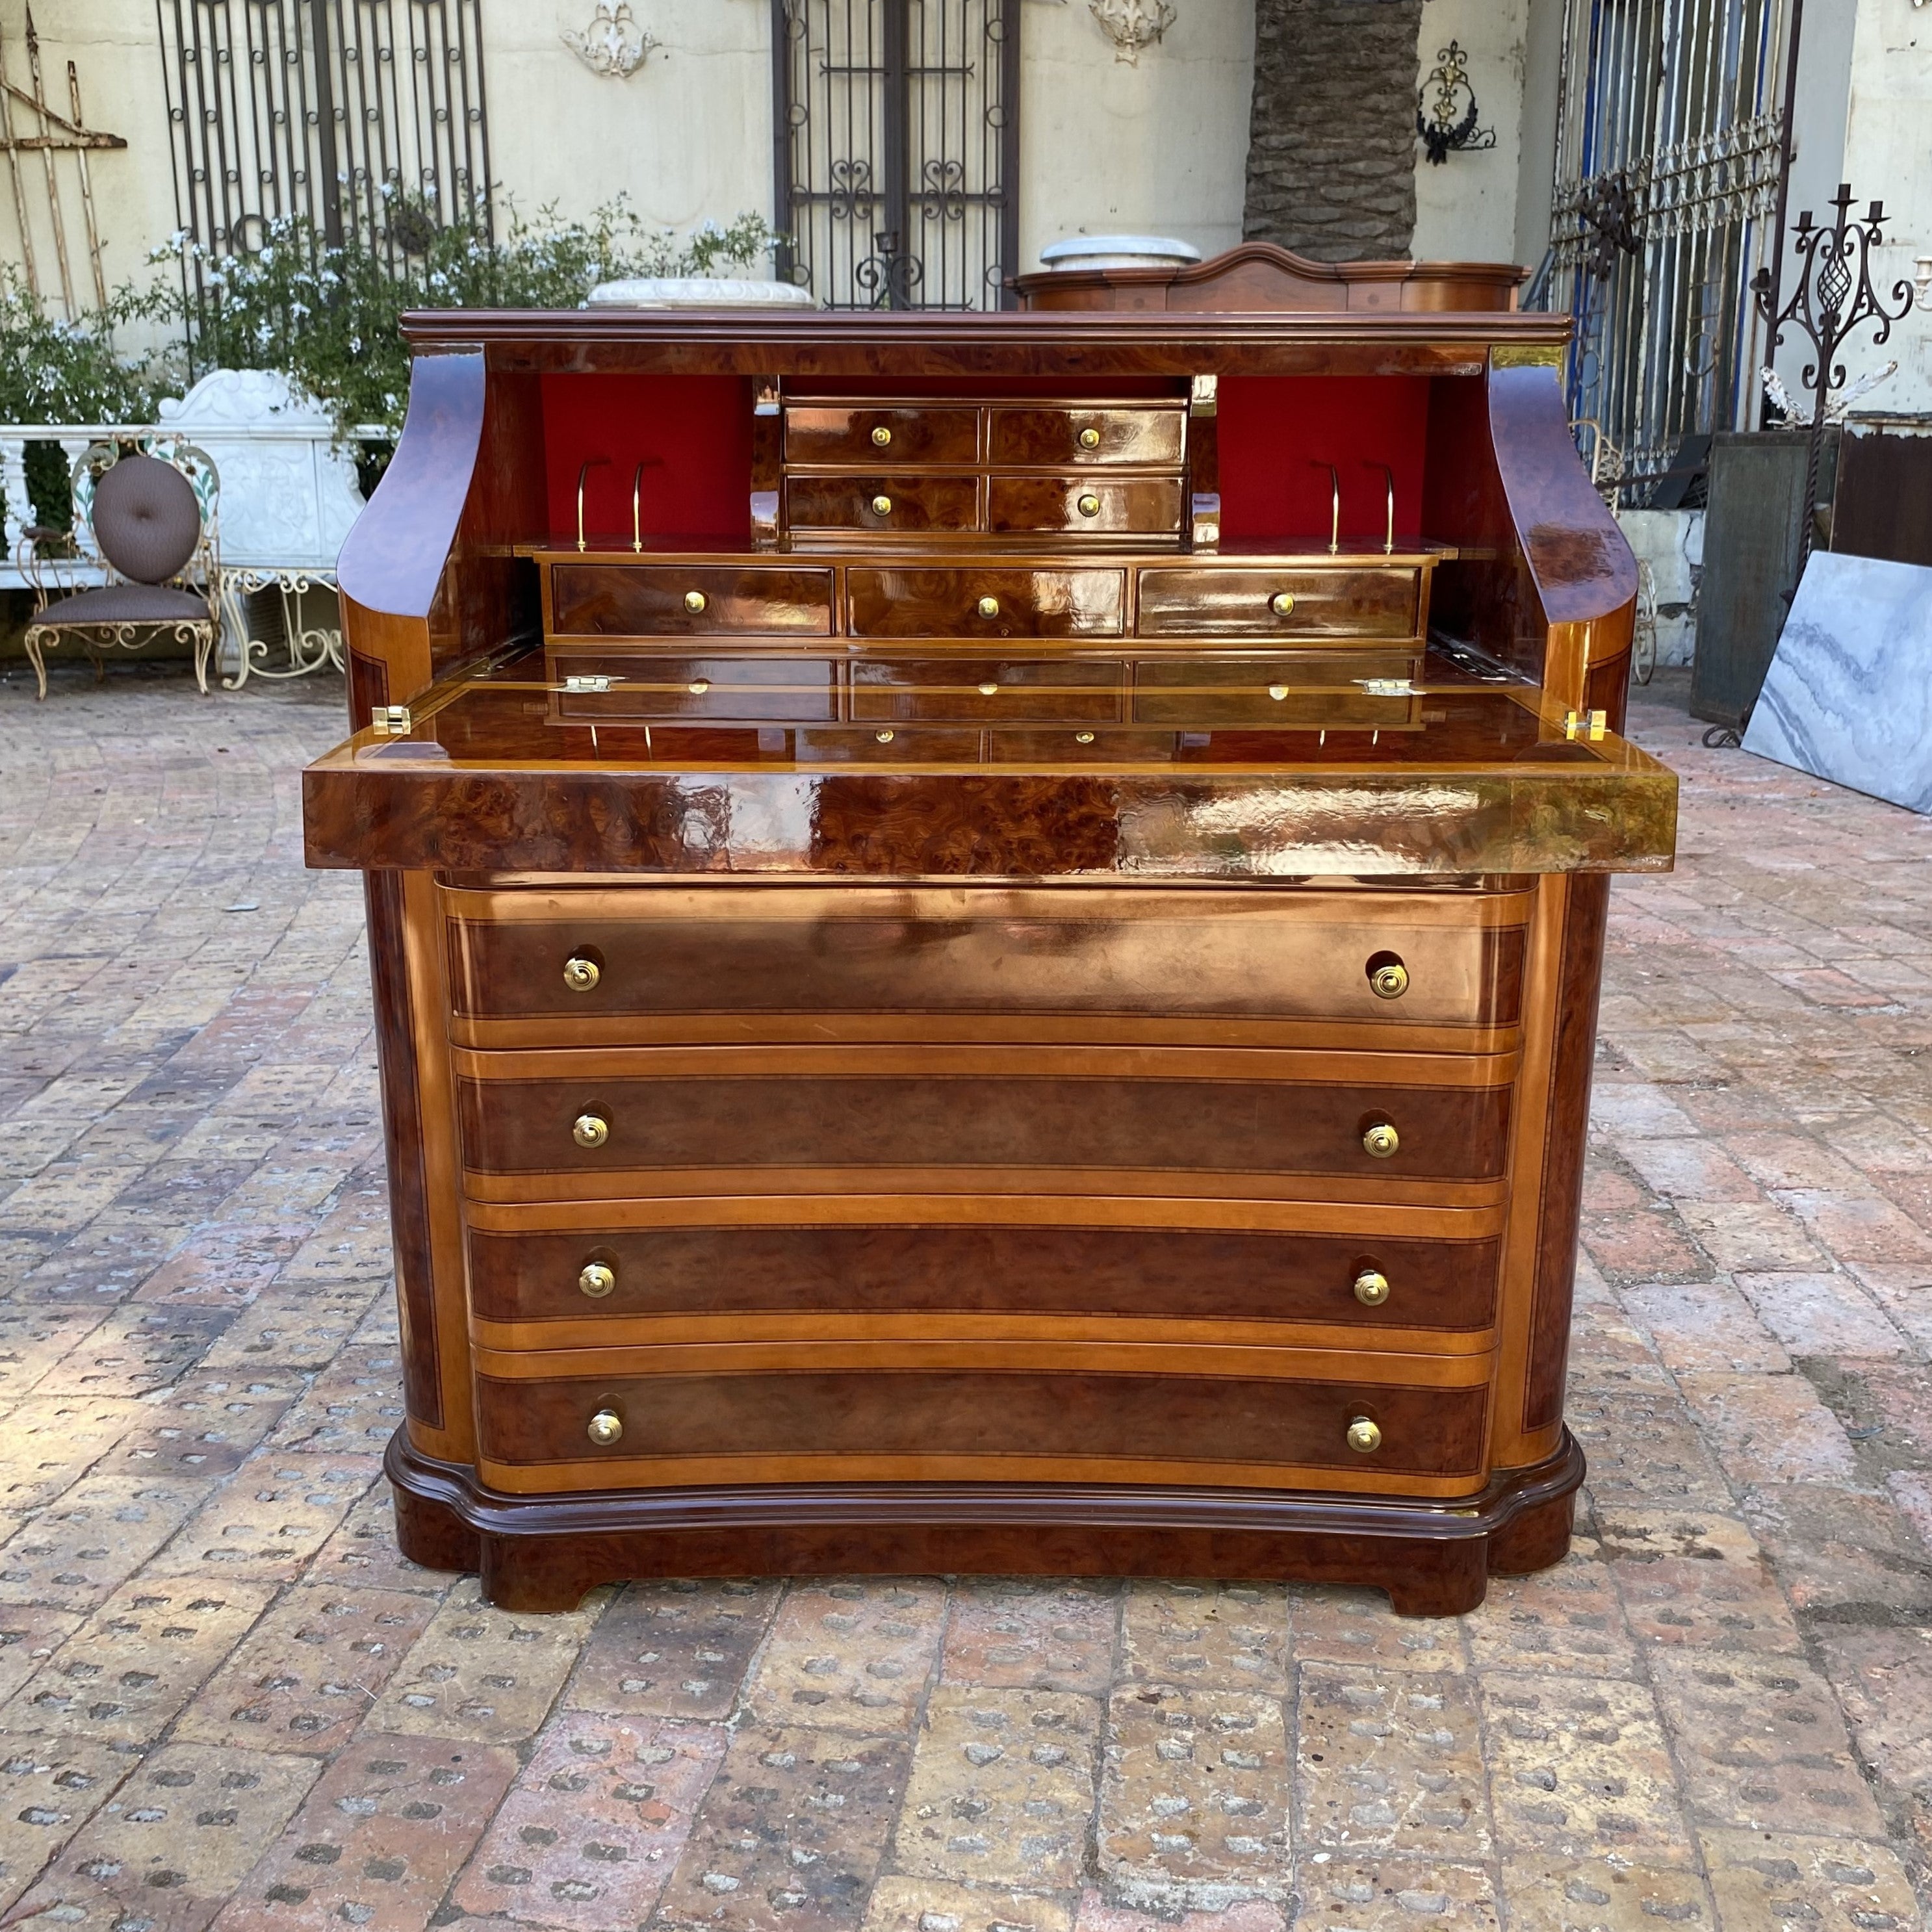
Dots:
{"x": 590, "y": 683}
{"x": 390, "y": 721}
{"x": 1591, "y": 724}
{"x": 1203, "y": 394}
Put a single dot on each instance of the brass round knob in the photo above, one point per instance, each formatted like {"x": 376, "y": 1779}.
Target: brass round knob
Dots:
{"x": 698, "y": 686}
{"x": 881, "y": 436}
{"x": 1089, "y": 438}
{"x": 597, "y": 1280}
{"x": 606, "y": 1426}
{"x": 581, "y": 975}
{"x": 1277, "y": 692}
{"x": 988, "y": 690}
{"x": 988, "y": 606}
{"x": 1282, "y": 603}
{"x": 695, "y": 600}
{"x": 883, "y": 737}
{"x": 1381, "y": 1140}
{"x": 1372, "y": 1288}
{"x": 590, "y": 1130}
{"x": 1083, "y": 737}
{"x": 1089, "y": 505}
{"x": 882, "y": 506}
{"x": 1364, "y": 1437}
{"x": 1390, "y": 980}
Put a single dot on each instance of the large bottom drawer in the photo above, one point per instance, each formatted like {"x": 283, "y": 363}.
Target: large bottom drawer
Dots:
{"x": 631, "y": 1281}
{"x": 955, "y": 1414}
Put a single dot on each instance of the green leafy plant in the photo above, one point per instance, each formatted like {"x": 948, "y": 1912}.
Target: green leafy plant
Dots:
{"x": 328, "y": 317}
{"x": 56, "y": 371}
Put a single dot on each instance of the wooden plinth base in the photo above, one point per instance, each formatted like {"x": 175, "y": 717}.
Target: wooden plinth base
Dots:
{"x": 541, "y": 1553}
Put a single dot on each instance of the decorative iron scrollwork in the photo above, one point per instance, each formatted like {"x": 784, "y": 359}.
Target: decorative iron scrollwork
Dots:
{"x": 890, "y": 275}
{"x": 1441, "y": 127}
{"x": 942, "y": 191}
{"x": 1608, "y": 207}
{"x": 1834, "y": 296}
{"x": 852, "y": 196}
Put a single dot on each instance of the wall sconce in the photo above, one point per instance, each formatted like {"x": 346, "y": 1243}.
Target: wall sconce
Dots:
{"x": 1132, "y": 25}
{"x": 614, "y": 44}
{"x": 1441, "y": 128}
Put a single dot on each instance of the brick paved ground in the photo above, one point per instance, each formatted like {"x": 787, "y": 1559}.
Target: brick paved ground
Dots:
{"x": 228, "y": 1700}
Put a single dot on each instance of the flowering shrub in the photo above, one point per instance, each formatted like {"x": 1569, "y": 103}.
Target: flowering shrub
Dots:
{"x": 327, "y": 316}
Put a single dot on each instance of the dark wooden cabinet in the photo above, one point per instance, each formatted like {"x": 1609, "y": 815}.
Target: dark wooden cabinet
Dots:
{"x": 970, "y": 1022}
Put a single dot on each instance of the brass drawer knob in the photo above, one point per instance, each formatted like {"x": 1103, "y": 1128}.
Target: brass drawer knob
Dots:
{"x": 1083, "y": 737}
{"x": 1088, "y": 505}
{"x": 1089, "y": 438}
{"x": 698, "y": 686}
{"x": 881, "y": 436}
{"x": 988, "y": 690}
{"x": 1390, "y": 979}
{"x": 883, "y": 737}
{"x": 1381, "y": 1140}
{"x": 882, "y": 506}
{"x": 988, "y": 606}
{"x": 1282, "y": 603}
{"x": 590, "y": 1130}
{"x": 695, "y": 600}
{"x": 597, "y": 1280}
{"x": 581, "y": 975}
{"x": 1364, "y": 1437}
{"x": 1372, "y": 1288}
{"x": 1277, "y": 692}
{"x": 606, "y": 1426}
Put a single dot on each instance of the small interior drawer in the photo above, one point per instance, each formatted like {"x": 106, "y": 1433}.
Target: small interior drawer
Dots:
{"x": 870, "y": 434}
{"x": 1295, "y": 602}
{"x": 1048, "y": 438}
{"x": 991, "y": 602}
{"x": 624, "y": 600}
{"x": 1083, "y": 506}
{"x": 883, "y": 505}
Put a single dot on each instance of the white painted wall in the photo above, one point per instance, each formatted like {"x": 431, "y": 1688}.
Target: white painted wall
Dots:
{"x": 1465, "y": 210}
{"x": 1888, "y": 156}
{"x": 1159, "y": 147}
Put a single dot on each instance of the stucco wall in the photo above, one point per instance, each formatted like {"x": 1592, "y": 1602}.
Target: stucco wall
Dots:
{"x": 1465, "y": 210}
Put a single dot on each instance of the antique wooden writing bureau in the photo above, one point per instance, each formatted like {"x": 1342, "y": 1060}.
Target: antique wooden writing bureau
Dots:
{"x": 986, "y": 932}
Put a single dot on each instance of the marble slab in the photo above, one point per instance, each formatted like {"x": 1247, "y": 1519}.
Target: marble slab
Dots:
{"x": 1848, "y": 694}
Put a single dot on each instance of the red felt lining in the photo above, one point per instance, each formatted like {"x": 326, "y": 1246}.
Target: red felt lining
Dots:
{"x": 698, "y": 430}
{"x": 1279, "y": 433}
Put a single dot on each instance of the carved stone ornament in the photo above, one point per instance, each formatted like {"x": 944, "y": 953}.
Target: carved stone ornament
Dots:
{"x": 613, "y": 44}
{"x": 1132, "y": 25}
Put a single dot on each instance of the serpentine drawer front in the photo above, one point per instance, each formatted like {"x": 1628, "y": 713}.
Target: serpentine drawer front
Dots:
{"x": 1059, "y": 1114}
{"x": 695, "y": 1280}
{"x": 964, "y": 1415}
{"x": 1425, "y": 970}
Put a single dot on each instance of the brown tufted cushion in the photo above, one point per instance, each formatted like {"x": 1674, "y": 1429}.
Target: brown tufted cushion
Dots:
{"x": 146, "y": 519}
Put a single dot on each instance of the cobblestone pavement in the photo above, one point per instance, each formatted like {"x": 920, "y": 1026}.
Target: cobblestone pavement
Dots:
{"x": 228, "y": 1701}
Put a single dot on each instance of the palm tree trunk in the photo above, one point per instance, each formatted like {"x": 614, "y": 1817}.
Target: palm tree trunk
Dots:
{"x": 1331, "y": 142}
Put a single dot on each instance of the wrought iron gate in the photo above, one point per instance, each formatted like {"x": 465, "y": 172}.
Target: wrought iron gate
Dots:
{"x": 896, "y": 150}
{"x": 1669, "y": 145}
{"x": 318, "y": 108}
